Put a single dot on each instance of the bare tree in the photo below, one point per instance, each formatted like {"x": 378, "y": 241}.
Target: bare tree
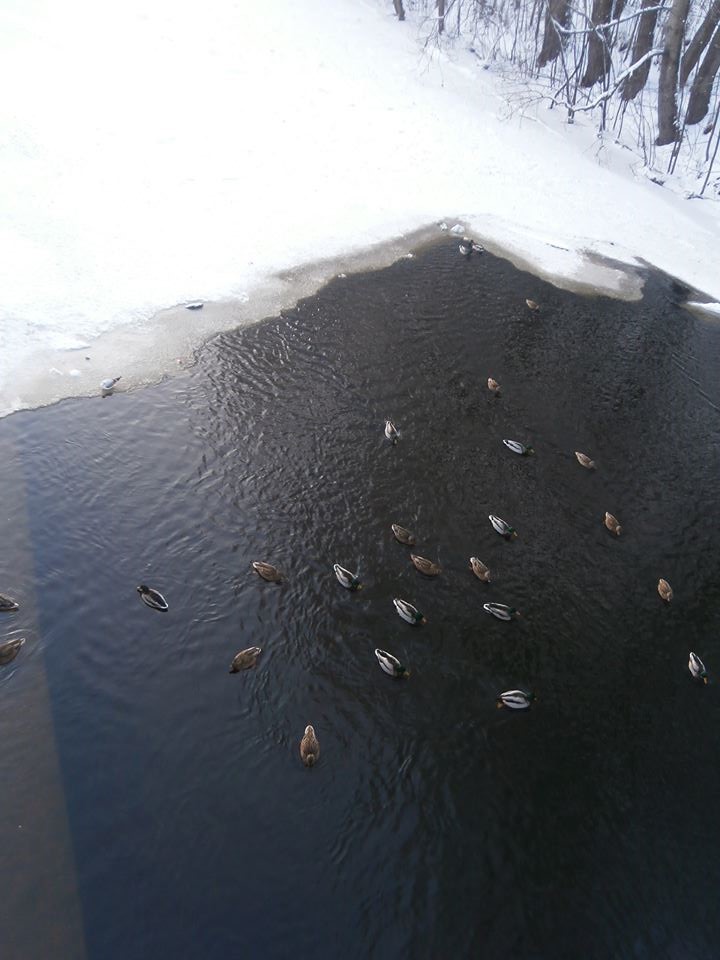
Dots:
{"x": 643, "y": 42}
{"x": 667, "y": 85}
{"x": 558, "y": 12}
{"x": 399, "y": 9}
{"x": 694, "y": 49}
{"x": 441, "y": 15}
{"x": 598, "y": 61}
{"x": 699, "y": 102}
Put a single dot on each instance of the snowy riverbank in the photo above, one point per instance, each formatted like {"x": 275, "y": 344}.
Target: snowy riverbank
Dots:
{"x": 161, "y": 156}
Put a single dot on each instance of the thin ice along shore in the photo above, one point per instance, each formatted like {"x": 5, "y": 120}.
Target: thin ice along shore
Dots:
{"x": 244, "y": 147}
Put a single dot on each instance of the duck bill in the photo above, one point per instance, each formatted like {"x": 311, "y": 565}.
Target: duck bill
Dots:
{"x": 705, "y": 679}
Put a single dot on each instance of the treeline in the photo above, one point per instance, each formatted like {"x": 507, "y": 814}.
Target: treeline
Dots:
{"x": 656, "y": 60}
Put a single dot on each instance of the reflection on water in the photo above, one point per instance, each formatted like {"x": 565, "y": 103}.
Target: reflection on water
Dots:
{"x": 434, "y": 824}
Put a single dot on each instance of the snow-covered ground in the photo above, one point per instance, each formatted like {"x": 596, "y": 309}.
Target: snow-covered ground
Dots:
{"x": 153, "y": 153}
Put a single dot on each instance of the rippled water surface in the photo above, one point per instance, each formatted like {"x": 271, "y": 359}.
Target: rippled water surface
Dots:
{"x": 156, "y": 806}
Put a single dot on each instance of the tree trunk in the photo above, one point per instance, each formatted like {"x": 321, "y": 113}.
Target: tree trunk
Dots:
{"x": 643, "y": 44}
{"x": 441, "y": 15}
{"x": 558, "y": 10}
{"x": 699, "y": 102}
{"x": 667, "y": 84}
{"x": 598, "y": 61}
{"x": 694, "y": 49}
{"x": 399, "y": 9}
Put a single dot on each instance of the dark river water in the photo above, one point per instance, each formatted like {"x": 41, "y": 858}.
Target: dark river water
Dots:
{"x": 155, "y": 806}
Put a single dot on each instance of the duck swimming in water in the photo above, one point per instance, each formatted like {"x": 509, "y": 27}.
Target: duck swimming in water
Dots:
{"x": 515, "y": 699}
{"x": 612, "y": 524}
{"x": 348, "y": 579}
{"x": 391, "y": 432}
{"x": 245, "y": 659}
{"x": 518, "y": 447}
{"x": 481, "y": 571}
{"x": 425, "y": 566}
{"x": 494, "y": 386}
{"x": 408, "y": 612}
{"x": 584, "y": 460}
{"x": 390, "y": 664}
{"x": 402, "y": 535}
{"x": 267, "y": 571}
{"x": 533, "y": 305}
{"x": 153, "y": 598}
{"x": 468, "y": 246}
{"x": 502, "y": 527}
{"x": 309, "y": 747}
{"x": 501, "y": 611}
{"x": 8, "y": 605}
{"x": 9, "y": 650}
{"x": 665, "y": 590}
{"x": 697, "y": 667}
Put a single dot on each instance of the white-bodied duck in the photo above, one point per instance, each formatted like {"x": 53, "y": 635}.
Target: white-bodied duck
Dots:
{"x": 347, "y": 578}
{"x": 153, "y": 598}
{"x": 408, "y": 612}
{"x": 502, "y": 527}
{"x": 390, "y": 664}
{"x": 697, "y": 667}
{"x": 515, "y": 699}
{"x": 501, "y": 610}
{"x": 391, "y": 432}
{"x": 518, "y": 447}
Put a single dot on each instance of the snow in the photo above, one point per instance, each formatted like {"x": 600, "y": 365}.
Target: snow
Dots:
{"x": 164, "y": 153}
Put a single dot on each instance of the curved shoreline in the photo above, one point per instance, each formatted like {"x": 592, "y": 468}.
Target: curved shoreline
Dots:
{"x": 164, "y": 345}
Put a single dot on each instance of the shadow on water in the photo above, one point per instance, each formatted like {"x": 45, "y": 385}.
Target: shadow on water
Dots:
{"x": 434, "y": 825}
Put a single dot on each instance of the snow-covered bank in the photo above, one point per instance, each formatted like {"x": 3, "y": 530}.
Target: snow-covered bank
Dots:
{"x": 168, "y": 152}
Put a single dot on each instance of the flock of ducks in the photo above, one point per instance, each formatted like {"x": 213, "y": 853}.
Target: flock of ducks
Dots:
{"x": 246, "y": 659}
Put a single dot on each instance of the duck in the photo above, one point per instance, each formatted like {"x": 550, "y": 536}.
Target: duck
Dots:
{"x": 348, "y": 580}
{"x": 533, "y": 305}
{"x": 501, "y": 611}
{"x": 408, "y": 612}
{"x": 8, "y": 605}
{"x": 391, "y": 432}
{"x": 515, "y": 699}
{"x": 425, "y": 566}
{"x": 502, "y": 526}
{"x": 697, "y": 667}
{"x": 390, "y": 664}
{"x": 612, "y": 524}
{"x": 481, "y": 571}
{"x": 309, "y": 747}
{"x": 494, "y": 386}
{"x": 9, "y": 650}
{"x": 665, "y": 590}
{"x": 402, "y": 535}
{"x": 468, "y": 246}
{"x": 195, "y": 305}
{"x": 245, "y": 659}
{"x": 584, "y": 460}
{"x": 518, "y": 447}
{"x": 267, "y": 571}
{"x": 107, "y": 386}
{"x": 153, "y": 598}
